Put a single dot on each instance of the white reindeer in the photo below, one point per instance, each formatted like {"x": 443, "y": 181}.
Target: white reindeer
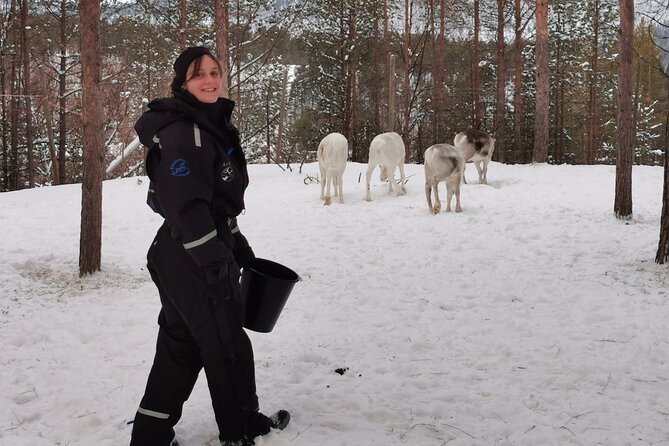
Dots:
{"x": 386, "y": 151}
{"x": 477, "y": 146}
{"x": 332, "y": 155}
{"x": 443, "y": 162}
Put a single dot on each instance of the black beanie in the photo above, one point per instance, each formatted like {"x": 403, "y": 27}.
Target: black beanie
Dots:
{"x": 185, "y": 59}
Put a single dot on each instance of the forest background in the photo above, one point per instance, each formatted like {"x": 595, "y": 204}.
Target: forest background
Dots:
{"x": 299, "y": 70}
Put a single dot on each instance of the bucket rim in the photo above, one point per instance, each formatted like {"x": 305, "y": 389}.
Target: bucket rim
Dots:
{"x": 255, "y": 267}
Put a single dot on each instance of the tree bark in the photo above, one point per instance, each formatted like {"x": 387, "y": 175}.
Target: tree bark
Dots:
{"x": 183, "y": 24}
{"x": 282, "y": 118}
{"x": 238, "y": 67}
{"x": 558, "y": 147}
{"x": 476, "y": 70}
{"x": 25, "y": 34}
{"x": 517, "y": 82}
{"x": 438, "y": 76}
{"x": 13, "y": 104}
{"x": 344, "y": 74}
{"x": 406, "y": 93}
{"x": 46, "y": 110}
{"x": 90, "y": 245}
{"x": 378, "y": 75}
{"x": 500, "y": 110}
{"x": 62, "y": 100}
{"x": 353, "y": 80}
{"x": 592, "y": 125}
{"x": 663, "y": 244}
{"x": 625, "y": 133}
{"x": 390, "y": 70}
{"x": 4, "y": 123}
{"x": 637, "y": 98}
{"x": 542, "y": 76}
{"x": 391, "y": 93}
{"x": 222, "y": 25}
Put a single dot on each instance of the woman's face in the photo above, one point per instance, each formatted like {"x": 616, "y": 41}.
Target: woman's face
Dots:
{"x": 205, "y": 85}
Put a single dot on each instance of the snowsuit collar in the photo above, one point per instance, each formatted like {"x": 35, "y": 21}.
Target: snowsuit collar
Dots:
{"x": 164, "y": 111}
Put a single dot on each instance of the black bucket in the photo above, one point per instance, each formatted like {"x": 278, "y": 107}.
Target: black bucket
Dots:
{"x": 266, "y": 286}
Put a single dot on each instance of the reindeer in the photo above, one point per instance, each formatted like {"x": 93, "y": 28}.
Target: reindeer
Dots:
{"x": 443, "y": 162}
{"x": 332, "y": 155}
{"x": 476, "y": 146}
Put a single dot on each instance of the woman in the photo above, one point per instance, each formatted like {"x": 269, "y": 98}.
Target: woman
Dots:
{"x": 198, "y": 176}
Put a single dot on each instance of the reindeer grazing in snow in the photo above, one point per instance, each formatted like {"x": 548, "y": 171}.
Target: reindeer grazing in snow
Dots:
{"x": 332, "y": 156}
{"x": 386, "y": 151}
{"x": 443, "y": 162}
{"x": 477, "y": 146}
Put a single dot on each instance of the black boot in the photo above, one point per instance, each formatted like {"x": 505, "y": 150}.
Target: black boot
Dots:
{"x": 260, "y": 424}
{"x": 279, "y": 420}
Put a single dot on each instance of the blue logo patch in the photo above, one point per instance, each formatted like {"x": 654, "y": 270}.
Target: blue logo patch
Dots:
{"x": 179, "y": 168}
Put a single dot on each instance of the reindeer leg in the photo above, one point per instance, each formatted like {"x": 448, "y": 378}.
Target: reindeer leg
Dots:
{"x": 437, "y": 202}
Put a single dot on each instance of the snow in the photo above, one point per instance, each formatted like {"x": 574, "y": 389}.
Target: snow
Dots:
{"x": 534, "y": 317}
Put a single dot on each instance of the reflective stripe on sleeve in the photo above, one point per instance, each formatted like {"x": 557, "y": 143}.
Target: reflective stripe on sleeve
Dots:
{"x": 196, "y": 133}
{"x": 201, "y": 241}
{"x": 236, "y": 228}
{"x": 153, "y": 413}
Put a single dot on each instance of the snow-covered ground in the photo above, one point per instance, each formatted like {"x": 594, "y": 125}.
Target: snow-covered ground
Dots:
{"x": 534, "y": 317}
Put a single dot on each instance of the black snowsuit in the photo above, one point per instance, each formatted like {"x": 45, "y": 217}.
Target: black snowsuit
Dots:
{"x": 198, "y": 176}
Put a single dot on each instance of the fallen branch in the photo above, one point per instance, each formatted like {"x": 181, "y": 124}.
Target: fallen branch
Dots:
{"x": 309, "y": 180}
{"x": 616, "y": 341}
{"x": 601, "y": 392}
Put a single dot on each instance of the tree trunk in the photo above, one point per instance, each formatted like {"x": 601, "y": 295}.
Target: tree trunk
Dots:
{"x": 344, "y": 74}
{"x": 625, "y": 133}
{"x": 637, "y": 94}
{"x": 476, "y": 70}
{"x": 391, "y": 93}
{"x": 542, "y": 94}
{"x": 13, "y": 104}
{"x": 592, "y": 125}
{"x": 439, "y": 67}
{"x": 62, "y": 100}
{"x": 46, "y": 110}
{"x": 25, "y": 33}
{"x": 5, "y": 128}
{"x": 93, "y": 169}
{"x": 390, "y": 70}
{"x": 353, "y": 80}
{"x": 377, "y": 76}
{"x": 663, "y": 245}
{"x": 183, "y": 24}
{"x": 500, "y": 110}
{"x": 558, "y": 148}
{"x": 222, "y": 25}
{"x": 238, "y": 68}
{"x": 406, "y": 94}
{"x": 517, "y": 83}
{"x": 268, "y": 122}
{"x": 282, "y": 118}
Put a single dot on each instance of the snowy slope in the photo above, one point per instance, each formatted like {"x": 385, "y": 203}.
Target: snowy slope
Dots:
{"x": 534, "y": 317}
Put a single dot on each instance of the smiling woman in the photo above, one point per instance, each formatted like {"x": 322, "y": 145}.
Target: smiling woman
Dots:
{"x": 198, "y": 177}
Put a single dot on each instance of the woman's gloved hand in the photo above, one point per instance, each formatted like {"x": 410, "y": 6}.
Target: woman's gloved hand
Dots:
{"x": 224, "y": 283}
{"x": 243, "y": 253}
